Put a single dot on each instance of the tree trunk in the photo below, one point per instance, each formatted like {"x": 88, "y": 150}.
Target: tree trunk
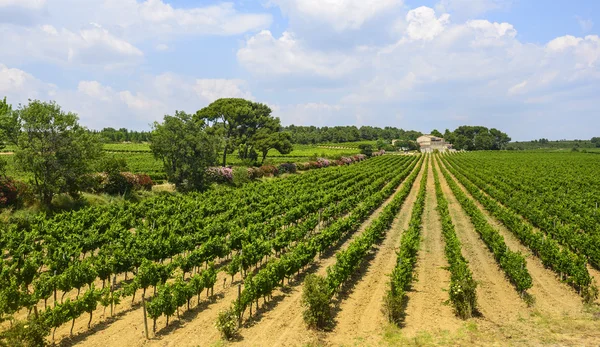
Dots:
{"x": 72, "y": 325}
{"x": 225, "y": 156}
{"x": 90, "y": 321}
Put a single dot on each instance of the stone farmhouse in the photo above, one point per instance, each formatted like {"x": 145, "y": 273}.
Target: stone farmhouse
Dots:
{"x": 430, "y": 143}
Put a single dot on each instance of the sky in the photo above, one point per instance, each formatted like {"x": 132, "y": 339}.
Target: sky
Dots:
{"x": 530, "y": 68}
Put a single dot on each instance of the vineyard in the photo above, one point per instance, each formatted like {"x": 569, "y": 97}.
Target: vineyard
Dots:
{"x": 472, "y": 248}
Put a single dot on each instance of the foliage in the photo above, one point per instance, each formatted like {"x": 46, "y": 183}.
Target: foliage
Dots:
{"x": 12, "y": 193}
{"x": 227, "y": 323}
{"x": 366, "y": 149}
{"x": 28, "y": 333}
{"x": 476, "y": 138}
{"x": 246, "y": 126}
{"x": 562, "y": 247}
{"x": 54, "y": 149}
{"x": 337, "y": 134}
{"x": 186, "y": 150}
{"x": 315, "y": 298}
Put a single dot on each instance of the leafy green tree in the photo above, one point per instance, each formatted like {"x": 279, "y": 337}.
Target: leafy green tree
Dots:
{"x": 53, "y": 147}
{"x": 266, "y": 140}
{"x": 245, "y": 125}
{"x": 186, "y": 150}
{"x": 435, "y": 132}
{"x": 366, "y": 149}
{"x": 228, "y": 118}
{"x": 596, "y": 141}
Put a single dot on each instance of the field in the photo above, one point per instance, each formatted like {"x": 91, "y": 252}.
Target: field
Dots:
{"x": 520, "y": 231}
{"x": 139, "y": 158}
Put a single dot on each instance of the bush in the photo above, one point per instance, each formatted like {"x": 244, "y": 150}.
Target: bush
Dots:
{"x": 220, "y": 174}
{"x": 240, "y": 176}
{"x": 12, "y": 192}
{"x": 227, "y": 323}
{"x": 269, "y": 170}
{"x": 28, "y": 333}
{"x": 393, "y": 306}
{"x": 287, "y": 168}
{"x": 315, "y": 297}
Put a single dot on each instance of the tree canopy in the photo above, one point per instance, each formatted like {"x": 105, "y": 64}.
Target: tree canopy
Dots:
{"x": 52, "y": 146}
{"x": 474, "y": 138}
{"x": 186, "y": 148}
{"x": 246, "y": 126}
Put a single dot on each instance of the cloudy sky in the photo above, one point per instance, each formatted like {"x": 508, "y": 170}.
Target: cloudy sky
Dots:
{"x": 528, "y": 67}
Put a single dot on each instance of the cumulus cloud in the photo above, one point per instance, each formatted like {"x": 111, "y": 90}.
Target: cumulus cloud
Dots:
{"x": 423, "y": 24}
{"x": 338, "y": 14}
{"x": 93, "y": 45}
{"x": 265, "y": 56}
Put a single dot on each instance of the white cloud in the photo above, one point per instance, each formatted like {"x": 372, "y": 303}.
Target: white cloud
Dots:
{"x": 95, "y": 90}
{"x": 266, "y": 56}
{"x": 339, "y": 14}
{"x": 89, "y": 46}
{"x": 586, "y": 50}
{"x": 517, "y": 88}
{"x": 423, "y": 24}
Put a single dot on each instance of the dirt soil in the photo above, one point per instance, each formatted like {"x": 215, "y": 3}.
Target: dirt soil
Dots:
{"x": 359, "y": 318}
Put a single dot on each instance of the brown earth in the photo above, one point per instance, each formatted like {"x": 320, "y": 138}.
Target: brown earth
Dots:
{"x": 359, "y": 318}
{"x": 429, "y": 292}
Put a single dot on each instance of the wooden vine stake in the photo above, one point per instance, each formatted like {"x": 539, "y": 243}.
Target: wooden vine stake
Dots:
{"x": 145, "y": 318}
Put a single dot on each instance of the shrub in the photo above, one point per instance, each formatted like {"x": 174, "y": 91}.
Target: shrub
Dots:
{"x": 287, "y": 168}
{"x": 303, "y": 166}
{"x": 144, "y": 181}
{"x": 315, "y": 298}
{"x": 240, "y": 176}
{"x": 269, "y": 170}
{"x": 12, "y": 192}
{"x": 393, "y": 306}
{"x": 220, "y": 174}
{"x": 227, "y": 323}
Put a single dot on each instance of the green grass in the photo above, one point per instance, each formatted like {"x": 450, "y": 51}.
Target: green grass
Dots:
{"x": 126, "y": 147}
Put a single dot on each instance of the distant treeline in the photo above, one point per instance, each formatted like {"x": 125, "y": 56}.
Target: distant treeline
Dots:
{"x": 300, "y": 134}
{"x": 122, "y": 135}
{"x": 311, "y": 134}
{"x": 560, "y": 144}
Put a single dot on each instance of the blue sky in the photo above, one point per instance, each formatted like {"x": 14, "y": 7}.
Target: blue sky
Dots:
{"x": 530, "y": 68}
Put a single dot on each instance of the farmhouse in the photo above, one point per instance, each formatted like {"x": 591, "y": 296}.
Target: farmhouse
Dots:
{"x": 430, "y": 143}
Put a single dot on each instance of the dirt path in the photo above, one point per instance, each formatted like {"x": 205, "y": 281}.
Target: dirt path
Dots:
{"x": 360, "y": 319}
{"x": 426, "y": 299}
{"x": 283, "y": 325}
{"x": 552, "y": 296}
{"x": 497, "y": 300}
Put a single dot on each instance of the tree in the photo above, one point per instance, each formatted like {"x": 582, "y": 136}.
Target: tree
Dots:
{"x": 186, "y": 150}
{"x": 266, "y": 140}
{"x": 366, "y": 149}
{"x": 52, "y": 147}
{"x": 7, "y": 129}
{"x": 244, "y": 125}
{"x": 436, "y": 133}
{"x": 596, "y": 141}
{"x": 228, "y": 117}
